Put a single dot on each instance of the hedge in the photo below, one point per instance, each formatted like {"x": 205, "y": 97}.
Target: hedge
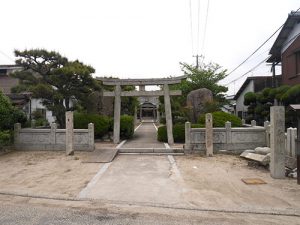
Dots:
{"x": 178, "y": 132}
{"x": 126, "y": 126}
{"x": 101, "y": 123}
{"x": 5, "y": 138}
{"x": 220, "y": 118}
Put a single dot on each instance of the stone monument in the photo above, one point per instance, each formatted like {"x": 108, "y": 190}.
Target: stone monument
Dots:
{"x": 196, "y": 101}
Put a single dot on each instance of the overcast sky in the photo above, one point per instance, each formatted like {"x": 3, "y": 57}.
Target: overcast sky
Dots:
{"x": 145, "y": 38}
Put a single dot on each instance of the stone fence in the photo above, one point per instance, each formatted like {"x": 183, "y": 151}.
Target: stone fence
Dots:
{"x": 52, "y": 139}
{"x": 228, "y": 138}
{"x": 237, "y": 139}
{"x": 290, "y": 140}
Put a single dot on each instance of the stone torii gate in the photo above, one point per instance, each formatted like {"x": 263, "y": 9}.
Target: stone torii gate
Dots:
{"x": 117, "y": 93}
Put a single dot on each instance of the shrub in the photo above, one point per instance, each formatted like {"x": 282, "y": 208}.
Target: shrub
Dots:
{"x": 220, "y": 118}
{"x": 5, "y": 138}
{"x": 9, "y": 114}
{"x": 126, "y": 126}
{"x": 162, "y": 134}
{"x": 101, "y": 123}
{"x": 162, "y": 120}
{"x": 178, "y": 133}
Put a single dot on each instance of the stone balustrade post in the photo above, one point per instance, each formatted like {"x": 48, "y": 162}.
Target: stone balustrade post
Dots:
{"x": 17, "y": 129}
{"x": 253, "y": 123}
{"x": 267, "y": 129}
{"x": 289, "y": 141}
{"x": 32, "y": 123}
{"x": 91, "y": 136}
{"x": 243, "y": 122}
{"x": 228, "y": 134}
{"x": 187, "y": 144}
{"x": 209, "y": 134}
{"x": 69, "y": 133}
{"x": 53, "y": 128}
{"x": 277, "y": 138}
{"x": 294, "y": 142}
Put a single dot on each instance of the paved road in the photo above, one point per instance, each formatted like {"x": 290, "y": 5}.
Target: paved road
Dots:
{"x": 32, "y": 214}
{"x": 144, "y": 137}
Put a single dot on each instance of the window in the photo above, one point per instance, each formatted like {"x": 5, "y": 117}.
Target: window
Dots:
{"x": 3, "y": 71}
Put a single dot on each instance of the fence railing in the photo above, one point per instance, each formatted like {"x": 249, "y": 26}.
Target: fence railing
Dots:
{"x": 249, "y": 136}
{"x": 52, "y": 139}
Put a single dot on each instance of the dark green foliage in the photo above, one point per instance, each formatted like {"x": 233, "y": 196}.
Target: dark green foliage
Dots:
{"x": 126, "y": 126}
{"x": 249, "y": 98}
{"x": 291, "y": 95}
{"x": 162, "y": 134}
{"x": 54, "y": 79}
{"x": 259, "y": 103}
{"x": 220, "y": 118}
{"x": 9, "y": 115}
{"x": 178, "y": 132}
{"x": 162, "y": 120}
{"x": 101, "y": 123}
{"x": 5, "y": 138}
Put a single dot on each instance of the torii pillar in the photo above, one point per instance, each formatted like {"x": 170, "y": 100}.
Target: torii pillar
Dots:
{"x": 117, "y": 114}
{"x": 168, "y": 113}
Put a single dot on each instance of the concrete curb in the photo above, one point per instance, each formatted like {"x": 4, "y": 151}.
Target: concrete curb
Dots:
{"x": 271, "y": 211}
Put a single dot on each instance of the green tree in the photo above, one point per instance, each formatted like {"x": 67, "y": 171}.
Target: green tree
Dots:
{"x": 259, "y": 103}
{"x": 8, "y": 116}
{"x": 206, "y": 76}
{"x": 55, "y": 79}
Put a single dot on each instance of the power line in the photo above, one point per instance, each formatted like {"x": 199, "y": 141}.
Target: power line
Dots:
{"x": 205, "y": 27}
{"x": 260, "y": 46}
{"x": 293, "y": 38}
{"x": 191, "y": 24}
{"x": 251, "y": 70}
{"x": 198, "y": 31}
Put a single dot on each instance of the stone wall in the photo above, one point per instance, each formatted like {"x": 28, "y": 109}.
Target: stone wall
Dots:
{"x": 52, "y": 139}
{"x": 227, "y": 138}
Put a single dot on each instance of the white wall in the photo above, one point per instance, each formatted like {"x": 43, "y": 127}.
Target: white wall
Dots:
{"x": 37, "y": 104}
{"x": 240, "y": 101}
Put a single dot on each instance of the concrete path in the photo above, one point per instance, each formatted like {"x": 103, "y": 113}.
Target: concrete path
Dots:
{"x": 145, "y": 136}
{"x": 140, "y": 179}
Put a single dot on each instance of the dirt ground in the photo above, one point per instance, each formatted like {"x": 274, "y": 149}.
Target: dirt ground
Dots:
{"x": 201, "y": 182}
{"x": 45, "y": 173}
{"x": 216, "y": 182}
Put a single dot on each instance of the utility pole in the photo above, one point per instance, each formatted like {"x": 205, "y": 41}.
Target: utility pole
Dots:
{"x": 197, "y": 60}
{"x": 274, "y": 80}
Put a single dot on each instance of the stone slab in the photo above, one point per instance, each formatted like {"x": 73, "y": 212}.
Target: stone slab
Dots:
{"x": 262, "y": 150}
{"x": 245, "y": 153}
{"x": 262, "y": 159}
{"x": 101, "y": 156}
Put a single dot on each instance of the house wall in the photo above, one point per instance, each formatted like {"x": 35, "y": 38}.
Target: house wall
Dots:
{"x": 291, "y": 59}
{"x": 37, "y": 104}
{"x": 240, "y": 107}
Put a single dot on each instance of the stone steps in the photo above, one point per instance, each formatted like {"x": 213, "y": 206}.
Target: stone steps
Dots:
{"x": 151, "y": 150}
